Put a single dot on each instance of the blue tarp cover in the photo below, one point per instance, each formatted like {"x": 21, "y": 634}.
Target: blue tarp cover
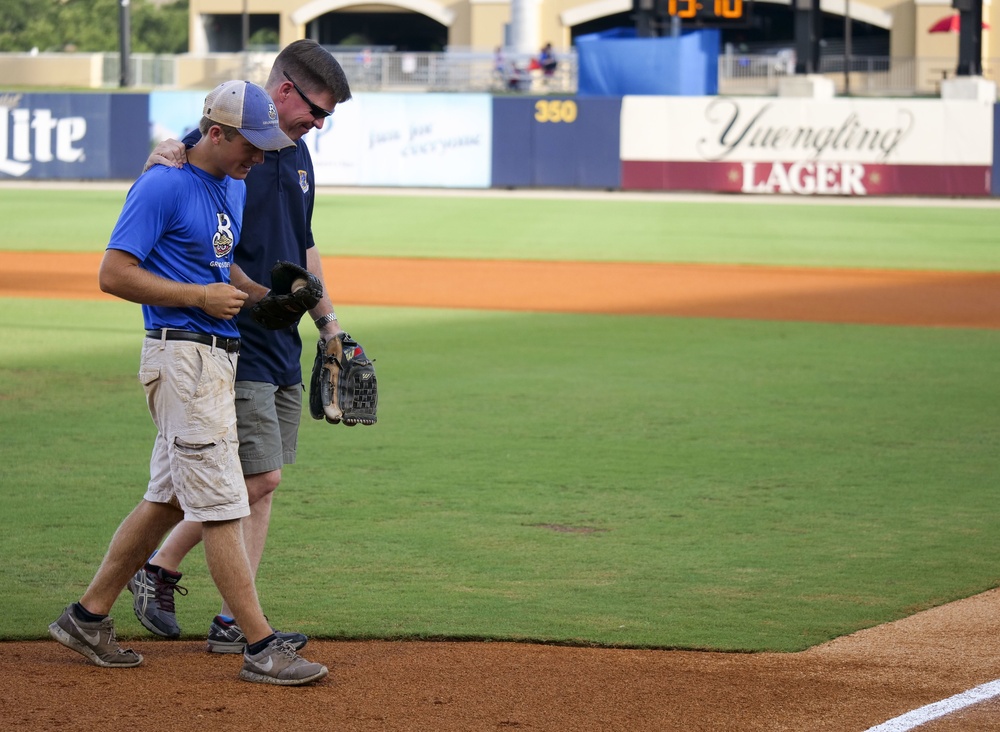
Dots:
{"x": 687, "y": 65}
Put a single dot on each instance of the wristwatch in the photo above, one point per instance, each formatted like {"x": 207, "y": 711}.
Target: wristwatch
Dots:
{"x": 324, "y": 319}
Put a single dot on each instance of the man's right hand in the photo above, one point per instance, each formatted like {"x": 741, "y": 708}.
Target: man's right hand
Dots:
{"x": 222, "y": 300}
{"x": 171, "y": 153}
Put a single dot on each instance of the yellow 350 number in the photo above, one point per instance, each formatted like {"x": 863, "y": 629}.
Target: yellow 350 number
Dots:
{"x": 555, "y": 110}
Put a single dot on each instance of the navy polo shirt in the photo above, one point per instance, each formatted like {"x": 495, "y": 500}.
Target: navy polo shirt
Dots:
{"x": 277, "y": 225}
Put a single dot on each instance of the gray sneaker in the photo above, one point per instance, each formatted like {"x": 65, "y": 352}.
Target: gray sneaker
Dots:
{"x": 279, "y": 664}
{"x": 96, "y": 641}
{"x": 226, "y": 637}
{"x": 153, "y": 602}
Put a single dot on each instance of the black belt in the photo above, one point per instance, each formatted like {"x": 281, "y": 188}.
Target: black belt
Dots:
{"x": 231, "y": 345}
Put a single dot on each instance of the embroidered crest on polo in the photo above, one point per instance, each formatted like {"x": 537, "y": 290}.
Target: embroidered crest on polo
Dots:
{"x": 304, "y": 181}
{"x": 247, "y": 107}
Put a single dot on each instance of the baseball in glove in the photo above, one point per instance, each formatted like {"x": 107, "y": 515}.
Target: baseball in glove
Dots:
{"x": 343, "y": 386}
{"x": 294, "y": 290}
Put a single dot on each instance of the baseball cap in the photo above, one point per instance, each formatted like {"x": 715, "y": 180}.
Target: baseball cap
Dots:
{"x": 248, "y": 108}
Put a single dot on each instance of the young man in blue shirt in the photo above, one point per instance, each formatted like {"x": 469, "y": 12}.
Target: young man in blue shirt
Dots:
{"x": 172, "y": 251}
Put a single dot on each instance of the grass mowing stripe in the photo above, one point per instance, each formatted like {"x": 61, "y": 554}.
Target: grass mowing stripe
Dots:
{"x": 58, "y": 220}
{"x": 937, "y": 238}
{"x": 611, "y": 480}
{"x": 657, "y": 231}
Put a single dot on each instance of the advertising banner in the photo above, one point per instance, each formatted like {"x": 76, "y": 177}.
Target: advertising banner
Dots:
{"x": 173, "y": 114}
{"x": 556, "y": 142}
{"x": 73, "y": 136}
{"x": 848, "y": 147}
{"x": 421, "y": 140}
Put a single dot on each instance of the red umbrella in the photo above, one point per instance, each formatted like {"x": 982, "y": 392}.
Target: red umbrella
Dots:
{"x": 948, "y": 24}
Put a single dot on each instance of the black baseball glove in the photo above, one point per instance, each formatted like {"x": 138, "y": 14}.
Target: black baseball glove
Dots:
{"x": 343, "y": 387}
{"x": 294, "y": 290}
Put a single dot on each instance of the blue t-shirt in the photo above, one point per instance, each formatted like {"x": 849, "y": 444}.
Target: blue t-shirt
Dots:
{"x": 277, "y": 225}
{"x": 183, "y": 225}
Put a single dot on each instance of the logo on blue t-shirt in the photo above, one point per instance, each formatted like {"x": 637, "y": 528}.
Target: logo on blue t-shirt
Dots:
{"x": 303, "y": 181}
{"x": 222, "y": 242}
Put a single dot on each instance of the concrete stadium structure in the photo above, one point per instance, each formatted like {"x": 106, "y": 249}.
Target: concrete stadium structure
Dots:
{"x": 900, "y": 28}
{"x": 892, "y": 50}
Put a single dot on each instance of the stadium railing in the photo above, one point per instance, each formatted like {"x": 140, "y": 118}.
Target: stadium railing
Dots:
{"x": 471, "y": 71}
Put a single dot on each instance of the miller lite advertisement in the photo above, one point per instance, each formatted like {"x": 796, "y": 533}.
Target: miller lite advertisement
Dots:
{"x": 74, "y": 136}
{"x": 808, "y": 147}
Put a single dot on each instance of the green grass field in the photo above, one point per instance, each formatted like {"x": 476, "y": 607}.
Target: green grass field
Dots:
{"x": 633, "y": 481}
{"x": 893, "y": 237}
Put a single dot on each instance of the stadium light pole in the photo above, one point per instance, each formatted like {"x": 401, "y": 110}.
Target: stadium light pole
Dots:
{"x": 847, "y": 47}
{"x": 124, "y": 44}
{"x": 246, "y": 39}
{"x": 970, "y": 37}
{"x": 808, "y": 34}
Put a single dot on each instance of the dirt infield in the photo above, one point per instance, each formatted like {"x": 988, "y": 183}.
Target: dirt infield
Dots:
{"x": 848, "y": 685}
{"x": 949, "y": 299}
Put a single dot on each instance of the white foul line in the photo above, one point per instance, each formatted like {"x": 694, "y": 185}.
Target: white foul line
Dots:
{"x": 917, "y": 717}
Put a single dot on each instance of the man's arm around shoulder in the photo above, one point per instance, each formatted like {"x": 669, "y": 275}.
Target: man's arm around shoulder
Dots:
{"x": 172, "y": 153}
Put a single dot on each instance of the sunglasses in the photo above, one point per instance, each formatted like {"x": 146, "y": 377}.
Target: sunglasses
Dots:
{"x": 317, "y": 111}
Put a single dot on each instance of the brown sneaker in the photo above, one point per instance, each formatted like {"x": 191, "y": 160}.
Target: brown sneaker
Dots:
{"x": 96, "y": 641}
{"x": 279, "y": 664}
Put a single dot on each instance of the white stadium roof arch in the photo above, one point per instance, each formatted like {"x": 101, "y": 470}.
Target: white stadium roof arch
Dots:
{"x": 433, "y": 10}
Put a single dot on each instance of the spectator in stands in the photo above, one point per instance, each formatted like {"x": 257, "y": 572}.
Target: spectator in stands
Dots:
{"x": 547, "y": 60}
{"x": 499, "y": 66}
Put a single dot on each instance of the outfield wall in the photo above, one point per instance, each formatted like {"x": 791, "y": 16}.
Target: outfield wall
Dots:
{"x": 748, "y": 145}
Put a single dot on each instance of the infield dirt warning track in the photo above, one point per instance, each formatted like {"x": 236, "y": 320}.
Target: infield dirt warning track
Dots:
{"x": 883, "y": 297}
{"x": 851, "y": 684}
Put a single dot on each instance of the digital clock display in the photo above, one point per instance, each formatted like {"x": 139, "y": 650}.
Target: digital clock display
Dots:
{"x": 708, "y": 12}
{"x": 693, "y": 9}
